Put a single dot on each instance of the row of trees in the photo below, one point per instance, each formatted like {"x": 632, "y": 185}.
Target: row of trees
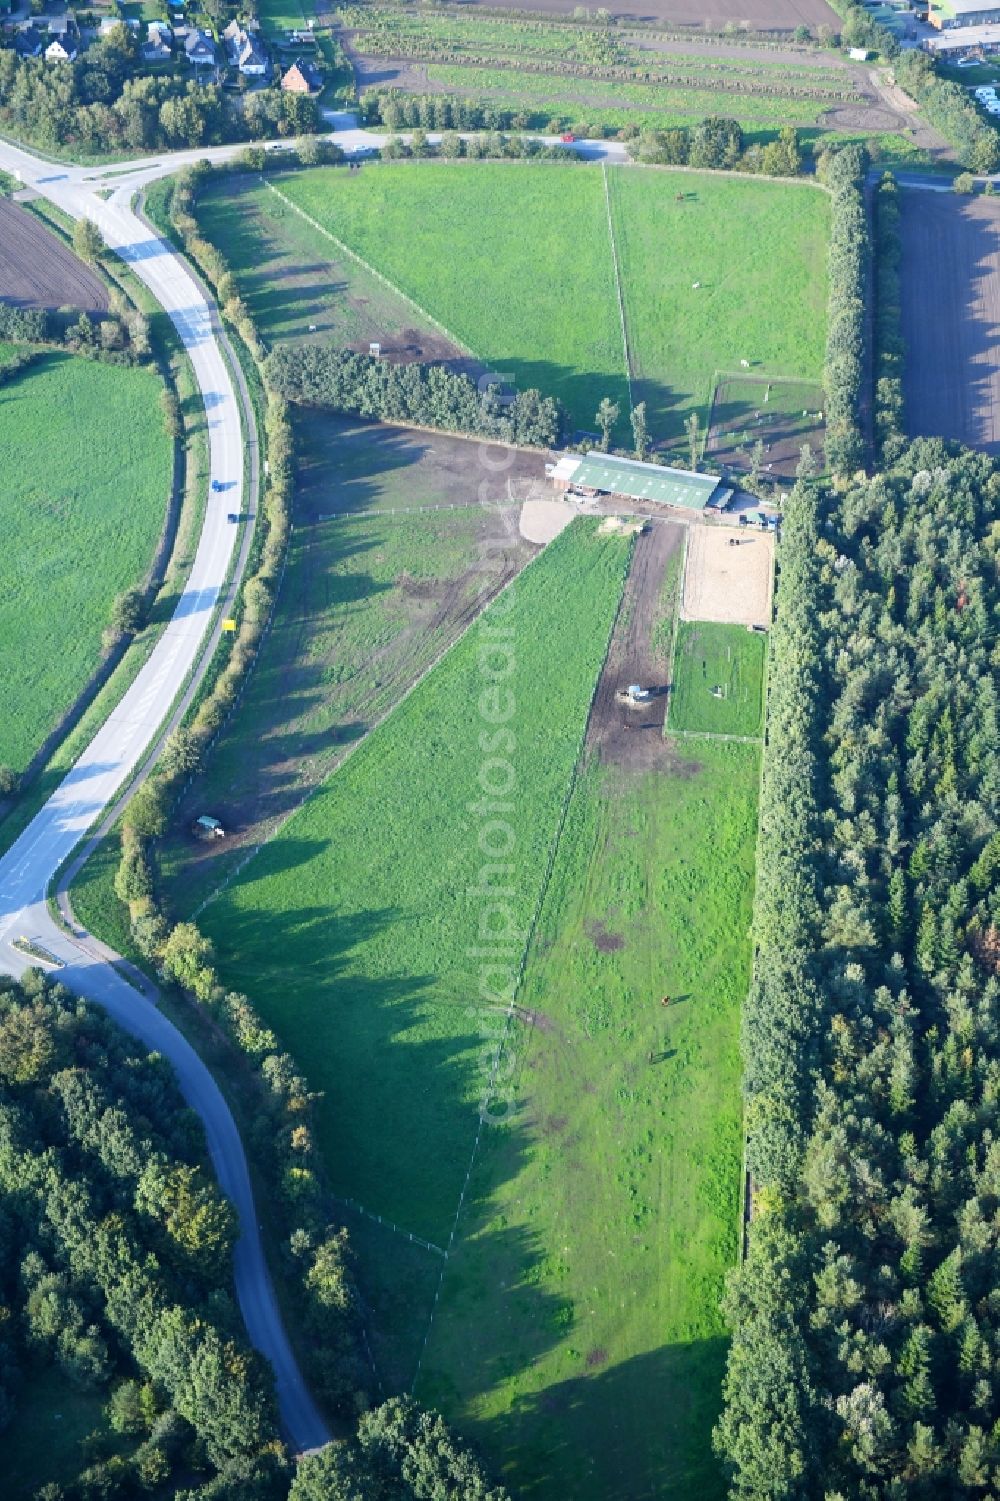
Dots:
{"x": 429, "y": 395}
{"x": 484, "y": 146}
{"x": 865, "y": 1319}
{"x": 717, "y": 142}
{"x": 120, "y": 336}
{"x": 843, "y": 172}
{"x": 102, "y": 103}
{"x": 111, "y": 1227}
{"x": 948, "y": 107}
{"x": 890, "y": 349}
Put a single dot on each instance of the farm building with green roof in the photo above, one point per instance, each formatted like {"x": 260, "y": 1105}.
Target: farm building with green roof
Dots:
{"x": 603, "y": 474}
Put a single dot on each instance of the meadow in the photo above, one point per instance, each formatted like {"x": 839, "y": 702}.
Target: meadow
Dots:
{"x": 442, "y": 231}
{"x": 512, "y": 258}
{"x": 90, "y": 506}
{"x": 297, "y": 285}
{"x": 718, "y": 681}
{"x": 352, "y": 929}
{"x": 578, "y": 1332}
{"x": 757, "y": 251}
{"x": 368, "y": 601}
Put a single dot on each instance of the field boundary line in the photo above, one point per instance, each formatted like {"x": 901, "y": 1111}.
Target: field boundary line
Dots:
{"x": 618, "y": 284}
{"x": 355, "y": 745}
{"x": 447, "y": 505}
{"x": 367, "y": 266}
{"x": 512, "y": 1009}
{"x": 716, "y": 735}
{"x": 675, "y": 632}
{"x": 387, "y": 1224}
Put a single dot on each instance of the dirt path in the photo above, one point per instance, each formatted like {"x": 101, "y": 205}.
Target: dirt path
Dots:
{"x": 633, "y": 738}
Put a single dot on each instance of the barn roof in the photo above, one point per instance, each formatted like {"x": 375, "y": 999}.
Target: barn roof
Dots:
{"x": 656, "y": 482}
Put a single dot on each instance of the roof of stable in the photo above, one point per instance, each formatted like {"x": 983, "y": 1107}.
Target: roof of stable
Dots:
{"x": 958, "y": 8}
{"x": 667, "y": 487}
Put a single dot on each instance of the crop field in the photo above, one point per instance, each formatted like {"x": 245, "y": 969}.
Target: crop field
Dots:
{"x": 716, "y": 270}
{"x": 90, "y": 509}
{"x": 485, "y": 252}
{"x": 569, "y": 74}
{"x": 951, "y": 377}
{"x": 758, "y": 15}
{"x": 38, "y": 270}
{"x": 440, "y": 231}
{"x": 352, "y": 928}
{"x": 718, "y": 681}
{"x": 367, "y": 603}
{"x": 575, "y": 102}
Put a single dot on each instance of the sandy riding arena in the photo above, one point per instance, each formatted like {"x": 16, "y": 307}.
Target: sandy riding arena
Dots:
{"x": 728, "y": 583}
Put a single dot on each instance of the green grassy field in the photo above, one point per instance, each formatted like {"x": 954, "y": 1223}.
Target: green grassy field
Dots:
{"x": 513, "y": 259}
{"x": 87, "y": 471}
{"x": 753, "y": 246}
{"x": 718, "y": 679}
{"x": 440, "y": 232}
{"x": 367, "y": 602}
{"x": 578, "y": 1332}
{"x": 352, "y": 929}
{"x": 296, "y": 283}
{"x": 367, "y": 605}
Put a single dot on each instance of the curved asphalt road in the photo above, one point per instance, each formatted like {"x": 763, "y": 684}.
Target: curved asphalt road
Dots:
{"x": 109, "y": 760}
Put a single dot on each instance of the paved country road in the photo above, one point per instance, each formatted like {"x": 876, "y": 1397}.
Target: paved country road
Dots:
{"x": 106, "y": 765}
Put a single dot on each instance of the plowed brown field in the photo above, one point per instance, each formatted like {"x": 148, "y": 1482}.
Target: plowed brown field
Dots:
{"x": 37, "y": 270}
{"x": 951, "y": 317}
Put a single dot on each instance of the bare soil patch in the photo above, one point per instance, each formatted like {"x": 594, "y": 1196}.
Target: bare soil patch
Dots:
{"x": 951, "y": 317}
{"x": 542, "y": 520}
{"x": 782, "y": 414}
{"x": 37, "y": 270}
{"x": 604, "y": 941}
{"x": 728, "y": 577}
{"x": 633, "y": 738}
{"x": 862, "y": 117}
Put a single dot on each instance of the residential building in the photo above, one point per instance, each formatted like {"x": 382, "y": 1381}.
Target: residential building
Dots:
{"x": 303, "y": 77}
{"x": 199, "y": 49}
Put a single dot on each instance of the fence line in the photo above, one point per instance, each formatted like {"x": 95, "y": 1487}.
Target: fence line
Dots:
{"x": 366, "y": 266}
{"x": 349, "y": 750}
{"x": 519, "y": 977}
{"x": 387, "y": 1224}
{"x": 618, "y": 285}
